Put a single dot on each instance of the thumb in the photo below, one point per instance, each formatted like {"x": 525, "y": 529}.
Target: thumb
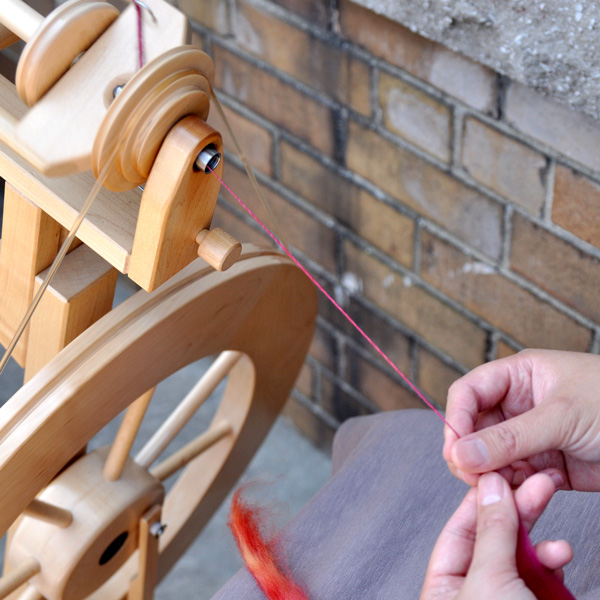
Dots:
{"x": 497, "y": 529}
{"x": 520, "y": 437}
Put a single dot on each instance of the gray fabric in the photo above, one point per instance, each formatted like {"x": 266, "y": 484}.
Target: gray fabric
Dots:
{"x": 369, "y": 532}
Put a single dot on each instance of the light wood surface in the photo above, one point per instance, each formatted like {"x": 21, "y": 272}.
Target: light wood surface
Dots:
{"x": 263, "y": 307}
{"x": 80, "y": 293}
{"x": 190, "y": 451}
{"x": 20, "y": 18}
{"x": 21, "y": 574}
{"x": 109, "y": 227}
{"x": 219, "y": 249}
{"x": 178, "y": 202}
{"x": 119, "y": 451}
{"x": 187, "y": 408}
{"x": 76, "y": 559}
{"x": 7, "y": 37}
{"x": 29, "y": 245}
{"x": 171, "y": 87}
{"x": 49, "y": 513}
{"x": 51, "y": 49}
{"x": 71, "y": 113}
{"x": 29, "y": 593}
{"x": 142, "y": 587}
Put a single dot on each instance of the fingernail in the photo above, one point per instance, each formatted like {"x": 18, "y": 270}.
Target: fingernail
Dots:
{"x": 557, "y": 478}
{"x": 472, "y": 453}
{"x": 491, "y": 489}
{"x": 519, "y": 477}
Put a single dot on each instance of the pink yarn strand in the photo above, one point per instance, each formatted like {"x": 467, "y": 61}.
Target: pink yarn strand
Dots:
{"x": 140, "y": 34}
{"x": 377, "y": 349}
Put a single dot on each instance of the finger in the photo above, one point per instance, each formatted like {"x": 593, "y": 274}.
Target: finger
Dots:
{"x": 537, "y": 430}
{"x": 554, "y": 554}
{"x": 479, "y": 390}
{"x": 533, "y": 497}
{"x": 497, "y": 525}
{"x": 454, "y": 548}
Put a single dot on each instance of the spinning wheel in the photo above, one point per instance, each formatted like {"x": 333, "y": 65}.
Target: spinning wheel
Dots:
{"x": 87, "y": 524}
{"x": 261, "y": 311}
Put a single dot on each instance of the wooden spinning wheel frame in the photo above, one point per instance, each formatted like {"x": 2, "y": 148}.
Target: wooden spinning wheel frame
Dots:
{"x": 87, "y": 524}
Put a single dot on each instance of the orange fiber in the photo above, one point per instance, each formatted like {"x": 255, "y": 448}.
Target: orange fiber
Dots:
{"x": 259, "y": 554}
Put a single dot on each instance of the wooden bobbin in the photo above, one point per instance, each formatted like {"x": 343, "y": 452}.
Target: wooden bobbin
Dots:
{"x": 68, "y": 31}
{"x": 171, "y": 87}
{"x": 20, "y": 18}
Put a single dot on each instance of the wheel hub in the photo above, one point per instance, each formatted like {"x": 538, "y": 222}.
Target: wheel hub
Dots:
{"x": 77, "y": 559}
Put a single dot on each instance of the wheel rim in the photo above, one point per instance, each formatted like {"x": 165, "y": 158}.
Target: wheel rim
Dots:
{"x": 263, "y": 307}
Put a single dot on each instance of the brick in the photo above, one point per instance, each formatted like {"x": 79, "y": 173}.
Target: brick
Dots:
{"x": 294, "y": 227}
{"x": 198, "y": 40}
{"x": 416, "y": 116}
{"x": 504, "y": 350}
{"x": 238, "y": 228}
{"x": 353, "y": 207}
{"x": 504, "y": 165}
{"x": 435, "y": 377}
{"x": 452, "y": 73}
{"x": 390, "y": 339}
{"x": 408, "y": 303}
{"x": 326, "y": 67}
{"x": 314, "y": 11}
{"x": 324, "y": 348}
{"x": 385, "y": 392}
{"x": 426, "y": 189}
{"x": 498, "y": 300}
{"x": 213, "y": 14}
{"x": 340, "y": 402}
{"x": 275, "y": 100}
{"x": 556, "y": 266}
{"x": 308, "y": 423}
{"x": 571, "y": 133}
{"x": 304, "y": 383}
{"x": 255, "y": 141}
{"x": 576, "y": 205}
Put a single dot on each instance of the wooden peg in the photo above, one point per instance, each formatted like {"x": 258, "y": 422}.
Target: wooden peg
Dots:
{"x": 218, "y": 248}
{"x": 38, "y": 509}
{"x": 18, "y": 576}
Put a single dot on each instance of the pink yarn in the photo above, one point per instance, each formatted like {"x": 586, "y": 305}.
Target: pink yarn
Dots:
{"x": 540, "y": 580}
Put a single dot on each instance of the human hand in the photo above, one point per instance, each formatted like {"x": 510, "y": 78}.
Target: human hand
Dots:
{"x": 538, "y": 410}
{"x": 475, "y": 555}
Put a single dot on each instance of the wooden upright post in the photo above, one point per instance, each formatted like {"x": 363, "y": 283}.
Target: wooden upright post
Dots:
{"x": 30, "y": 241}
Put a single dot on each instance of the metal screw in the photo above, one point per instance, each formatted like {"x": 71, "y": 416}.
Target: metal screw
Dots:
{"x": 118, "y": 89}
{"x": 207, "y": 160}
{"x": 157, "y": 529}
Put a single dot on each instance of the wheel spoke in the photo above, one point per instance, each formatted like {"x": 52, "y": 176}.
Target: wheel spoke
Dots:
{"x": 50, "y": 513}
{"x": 187, "y": 408}
{"x": 18, "y": 576}
{"x": 31, "y": 594}
{"x": 190, "y": 451}
{"x": 119, "y": 452}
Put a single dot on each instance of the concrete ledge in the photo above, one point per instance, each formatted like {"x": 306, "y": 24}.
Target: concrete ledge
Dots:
{"x": 552, "y": 46}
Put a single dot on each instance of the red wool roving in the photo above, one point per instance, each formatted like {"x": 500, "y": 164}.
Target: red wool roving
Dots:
{"x": 539, "y": 579}
{"x": 261, "y": 555}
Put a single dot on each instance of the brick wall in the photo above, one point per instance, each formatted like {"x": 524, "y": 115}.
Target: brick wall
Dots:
{"x": 454, "y": 213}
